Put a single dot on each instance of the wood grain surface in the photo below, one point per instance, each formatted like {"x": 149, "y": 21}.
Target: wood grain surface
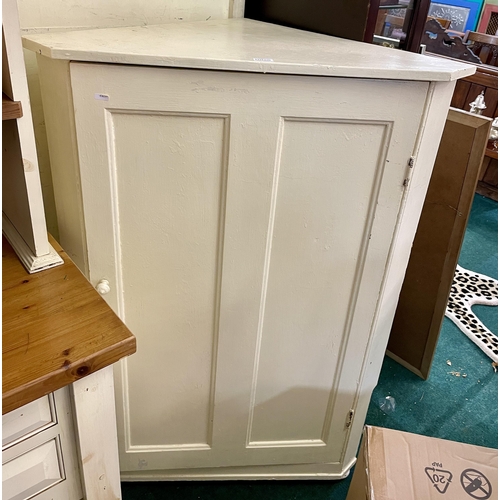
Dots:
{"x": 11, "y": 109}
{"x": 56, "y": 329}
{"x": 491, "y": 153}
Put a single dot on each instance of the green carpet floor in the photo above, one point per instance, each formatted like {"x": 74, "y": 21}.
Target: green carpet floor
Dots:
{"x": 445, "y": 406}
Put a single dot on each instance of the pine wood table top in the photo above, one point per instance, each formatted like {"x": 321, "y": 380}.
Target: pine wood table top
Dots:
{"x": 56, "y": 329}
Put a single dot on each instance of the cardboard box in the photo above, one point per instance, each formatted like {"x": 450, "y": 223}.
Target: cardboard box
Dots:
{"x": 395, "y": 465}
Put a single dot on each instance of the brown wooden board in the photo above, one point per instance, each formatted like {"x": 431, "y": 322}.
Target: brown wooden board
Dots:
{"x": 485, "y": 76}
{"x": 460, "y": 95}
{"x": 56, "y": 329}
{"x": 485, "y": 189}
{"x": 485, "y": 79}
{"x": 491, "y": 153}
{"x": 437, "y": 243}
{"x": 484, "y": 167}
{"x": 11, "y": 109}
{"x": 491, "y": 174}
{"x": 345, "y": 19}
{"x": 491, "y": 101}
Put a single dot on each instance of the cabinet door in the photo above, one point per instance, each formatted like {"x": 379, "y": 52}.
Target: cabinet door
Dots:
{"x": 244, "y": 222}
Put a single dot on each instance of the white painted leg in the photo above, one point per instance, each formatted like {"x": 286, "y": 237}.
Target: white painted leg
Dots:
{"x": 95, "y": 422}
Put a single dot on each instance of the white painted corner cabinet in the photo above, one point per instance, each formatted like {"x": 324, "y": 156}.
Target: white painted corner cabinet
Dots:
{"x": 251, "y": 193}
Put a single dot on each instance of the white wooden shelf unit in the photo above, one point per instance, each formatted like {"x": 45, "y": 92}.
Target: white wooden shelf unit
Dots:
{"x": 23, "y": 215}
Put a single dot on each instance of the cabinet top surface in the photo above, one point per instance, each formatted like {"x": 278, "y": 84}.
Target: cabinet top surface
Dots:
{"x": 243, "y": 45}
{"x": 55, "y": 329}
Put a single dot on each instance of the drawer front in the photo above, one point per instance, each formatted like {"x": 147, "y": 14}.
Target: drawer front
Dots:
{"x": 33, "y": 472}
{"x": 40, "y": 458}
{"x": 28, "y": 420}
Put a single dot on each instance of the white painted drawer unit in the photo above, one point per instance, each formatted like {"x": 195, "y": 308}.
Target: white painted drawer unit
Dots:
{"x": 39, "y": 455}
{"x": 250, "y": 192}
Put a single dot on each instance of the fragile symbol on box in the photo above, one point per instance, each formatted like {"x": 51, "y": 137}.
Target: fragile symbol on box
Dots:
{"x": 476, "y": 484}
{"x": 440, "y": 478}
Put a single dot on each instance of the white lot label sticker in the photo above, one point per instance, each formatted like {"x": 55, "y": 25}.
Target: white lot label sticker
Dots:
{"x": 263, "y": 59}
{"x": 101, "y": 97}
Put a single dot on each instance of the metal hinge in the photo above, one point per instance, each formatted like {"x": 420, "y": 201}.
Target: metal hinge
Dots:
{"x": 411, "y": 163}
{"x": 350, "y": 416}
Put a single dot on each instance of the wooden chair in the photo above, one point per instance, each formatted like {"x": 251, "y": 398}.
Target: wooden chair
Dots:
{"x": 445, "y": 23}
{"x": 437, "y": 41}
{"x": 484, "y": 46}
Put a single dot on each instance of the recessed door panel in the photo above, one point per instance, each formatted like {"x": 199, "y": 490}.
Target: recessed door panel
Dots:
{"x": 316, "y": 244}
{"x": 168, "y": 206}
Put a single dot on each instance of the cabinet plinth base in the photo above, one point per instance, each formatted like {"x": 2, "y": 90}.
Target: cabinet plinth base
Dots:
{"x": 31, "y": 262}
{"x": 272, "y": 472}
